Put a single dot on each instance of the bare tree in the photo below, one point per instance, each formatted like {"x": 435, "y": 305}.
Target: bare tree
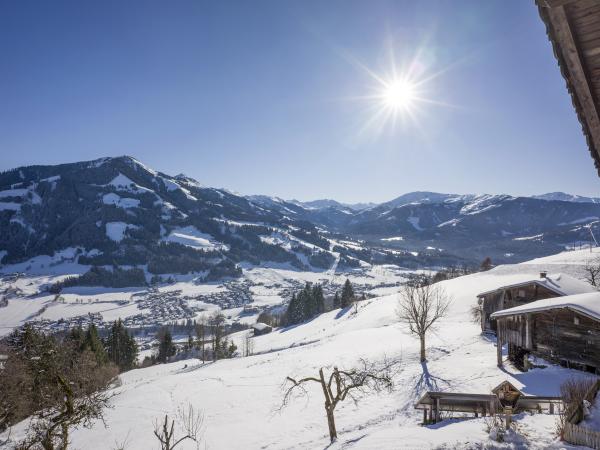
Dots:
{"x": 49, "y": 429}
{"x": 340, "y": 384}
{"x": 201, "y": 334}
{"x": 421, "y": 306}
{"x": 592, "y": 272}
{"x": 190, "y": 421}
{"x": 248, "y": 344}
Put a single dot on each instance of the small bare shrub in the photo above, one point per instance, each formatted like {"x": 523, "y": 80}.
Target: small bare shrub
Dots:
{"x": 190, "y": 421}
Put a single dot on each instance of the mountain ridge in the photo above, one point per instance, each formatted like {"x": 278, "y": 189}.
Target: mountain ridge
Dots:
{"x": 127, "y": 213}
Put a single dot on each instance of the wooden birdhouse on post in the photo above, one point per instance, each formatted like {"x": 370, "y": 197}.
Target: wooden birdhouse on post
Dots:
{"x": 508, "y": 398}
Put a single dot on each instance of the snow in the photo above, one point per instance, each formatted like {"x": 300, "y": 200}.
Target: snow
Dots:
{"x": 114, "y": 199}
{"x": 395, "y": 238}
{"x": 14, "y": 193}
{"x": 592, "y": 420}
{"x": 241, "y": 397}
{"x": 260, "y": 326}
{"x": 588, "y": 304}
{"x": 116, "y": 230}
{"x": 171, "y": 185}
{"x": 52, "y": 179}
{"x": 192, "y": 237}
{"x": 529, "y": 238}
{"x": 452, "y": 222}
{"x": 10, "y": 206}
{"x": 414, "y": 221}
{"x": 581, "y": 220}
{"x": 121, "y": 181}
{"x": 569, "y": 258}
{"x": 560, "y": 283}
{"x": 245, "y": 393}
{"x": 483, "y": 203}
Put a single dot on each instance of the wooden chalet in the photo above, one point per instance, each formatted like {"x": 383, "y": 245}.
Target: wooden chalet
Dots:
{"x": 573, "y": 27}
{"x": 564, "y": 330}
{"x": 526, "y": 289}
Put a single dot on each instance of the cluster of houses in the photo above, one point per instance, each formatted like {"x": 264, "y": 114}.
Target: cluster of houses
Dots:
{"x": 554, "y": 317}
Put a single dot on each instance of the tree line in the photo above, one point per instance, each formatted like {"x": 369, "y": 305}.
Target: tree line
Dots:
{"x": 311, "y": 302}
{"x": 210, "y": 342}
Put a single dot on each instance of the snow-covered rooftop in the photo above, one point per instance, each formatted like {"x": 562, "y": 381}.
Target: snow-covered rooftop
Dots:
{"x": 587, "y": 304}
{"x": 560, "y": 283}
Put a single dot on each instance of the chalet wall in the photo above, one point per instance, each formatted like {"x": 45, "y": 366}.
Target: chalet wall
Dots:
{"x": 508, "y": 298}
{"x": 557, "y": 335}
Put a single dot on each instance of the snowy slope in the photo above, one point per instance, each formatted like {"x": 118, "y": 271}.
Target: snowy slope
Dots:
{"x": 241, "y": 397}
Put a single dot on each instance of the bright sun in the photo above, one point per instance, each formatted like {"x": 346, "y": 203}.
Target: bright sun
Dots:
{"x": 399, "y": 95}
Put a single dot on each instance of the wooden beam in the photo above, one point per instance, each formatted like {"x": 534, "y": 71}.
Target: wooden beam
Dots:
{"x": 576, "y": 72}
{"x": 554, "y": 3}
{"x": 499, "y": 345}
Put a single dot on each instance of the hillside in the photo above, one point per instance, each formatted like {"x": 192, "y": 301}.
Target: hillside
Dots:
{"x": 243, "y": 395}
{"x": 118, "y": 211}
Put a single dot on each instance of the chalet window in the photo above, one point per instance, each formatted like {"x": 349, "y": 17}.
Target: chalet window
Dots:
{"x": 521, "y": 292}
{"x": 576, "y": 320}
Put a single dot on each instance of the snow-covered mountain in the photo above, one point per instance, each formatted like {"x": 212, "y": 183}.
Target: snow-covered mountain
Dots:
{"x": 567, "y": 197}
{"x": 118, "y": 211}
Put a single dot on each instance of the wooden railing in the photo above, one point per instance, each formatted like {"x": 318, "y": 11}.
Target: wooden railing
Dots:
{"x": 576, "y": 434}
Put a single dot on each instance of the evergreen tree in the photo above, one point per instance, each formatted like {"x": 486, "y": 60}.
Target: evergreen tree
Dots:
{"x": 486, "y": 264}
{"x": 319, "y": 299}
{"x": 217, "y": 324}
{"x": 121, "y": 346}
{"x": 93, "y": 343}
{"x": 294, "y": 311}
{"x": 305, "y": 305}
{"x": 337, "y": 302}
{"x": 347, "y": 294}
{"x": 166, "y": 348}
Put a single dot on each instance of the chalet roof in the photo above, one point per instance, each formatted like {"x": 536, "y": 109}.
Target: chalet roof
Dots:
{"x": 503, "y": 384}
{"x": 559, "y": 283}
{"x": 573, "y": 28}
{"x": 586, "y": 304}
{"x": 261, "y": 326}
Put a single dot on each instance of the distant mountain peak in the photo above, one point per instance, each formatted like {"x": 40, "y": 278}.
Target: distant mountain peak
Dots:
{"x": 564, "y": 197}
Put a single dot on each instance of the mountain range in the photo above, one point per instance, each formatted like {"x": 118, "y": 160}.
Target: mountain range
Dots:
{"x": 119, "y": 212}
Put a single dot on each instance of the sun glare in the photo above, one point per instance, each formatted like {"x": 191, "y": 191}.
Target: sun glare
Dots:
{"x": 399, "y": 94}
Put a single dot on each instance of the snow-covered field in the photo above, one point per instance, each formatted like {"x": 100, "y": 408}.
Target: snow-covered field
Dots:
{"x": 241, "y": 397}
{"x": 266, "y": 286}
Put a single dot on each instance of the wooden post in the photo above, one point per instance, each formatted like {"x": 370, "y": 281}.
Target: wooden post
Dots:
{"x": 507, "y": 416}
{"x": 437, "y": 410}
{"x": 499, "y": 346}
{"x": 525, "y": 362}
{"x": 551, "y": 408}
{"x": 425, "y": 416}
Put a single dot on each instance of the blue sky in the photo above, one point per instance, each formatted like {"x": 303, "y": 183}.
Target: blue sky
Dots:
{"x": 269, "y": 96}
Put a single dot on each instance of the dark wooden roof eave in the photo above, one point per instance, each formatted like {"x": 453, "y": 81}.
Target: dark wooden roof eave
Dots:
{"x": 549, "y": 10}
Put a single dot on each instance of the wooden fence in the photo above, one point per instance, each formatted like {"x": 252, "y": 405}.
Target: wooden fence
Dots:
{"x": 576, "y": 434}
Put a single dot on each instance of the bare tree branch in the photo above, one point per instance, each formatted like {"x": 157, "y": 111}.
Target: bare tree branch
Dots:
{"x": 340, "y": 384}
{"x": 191, "y": 422}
